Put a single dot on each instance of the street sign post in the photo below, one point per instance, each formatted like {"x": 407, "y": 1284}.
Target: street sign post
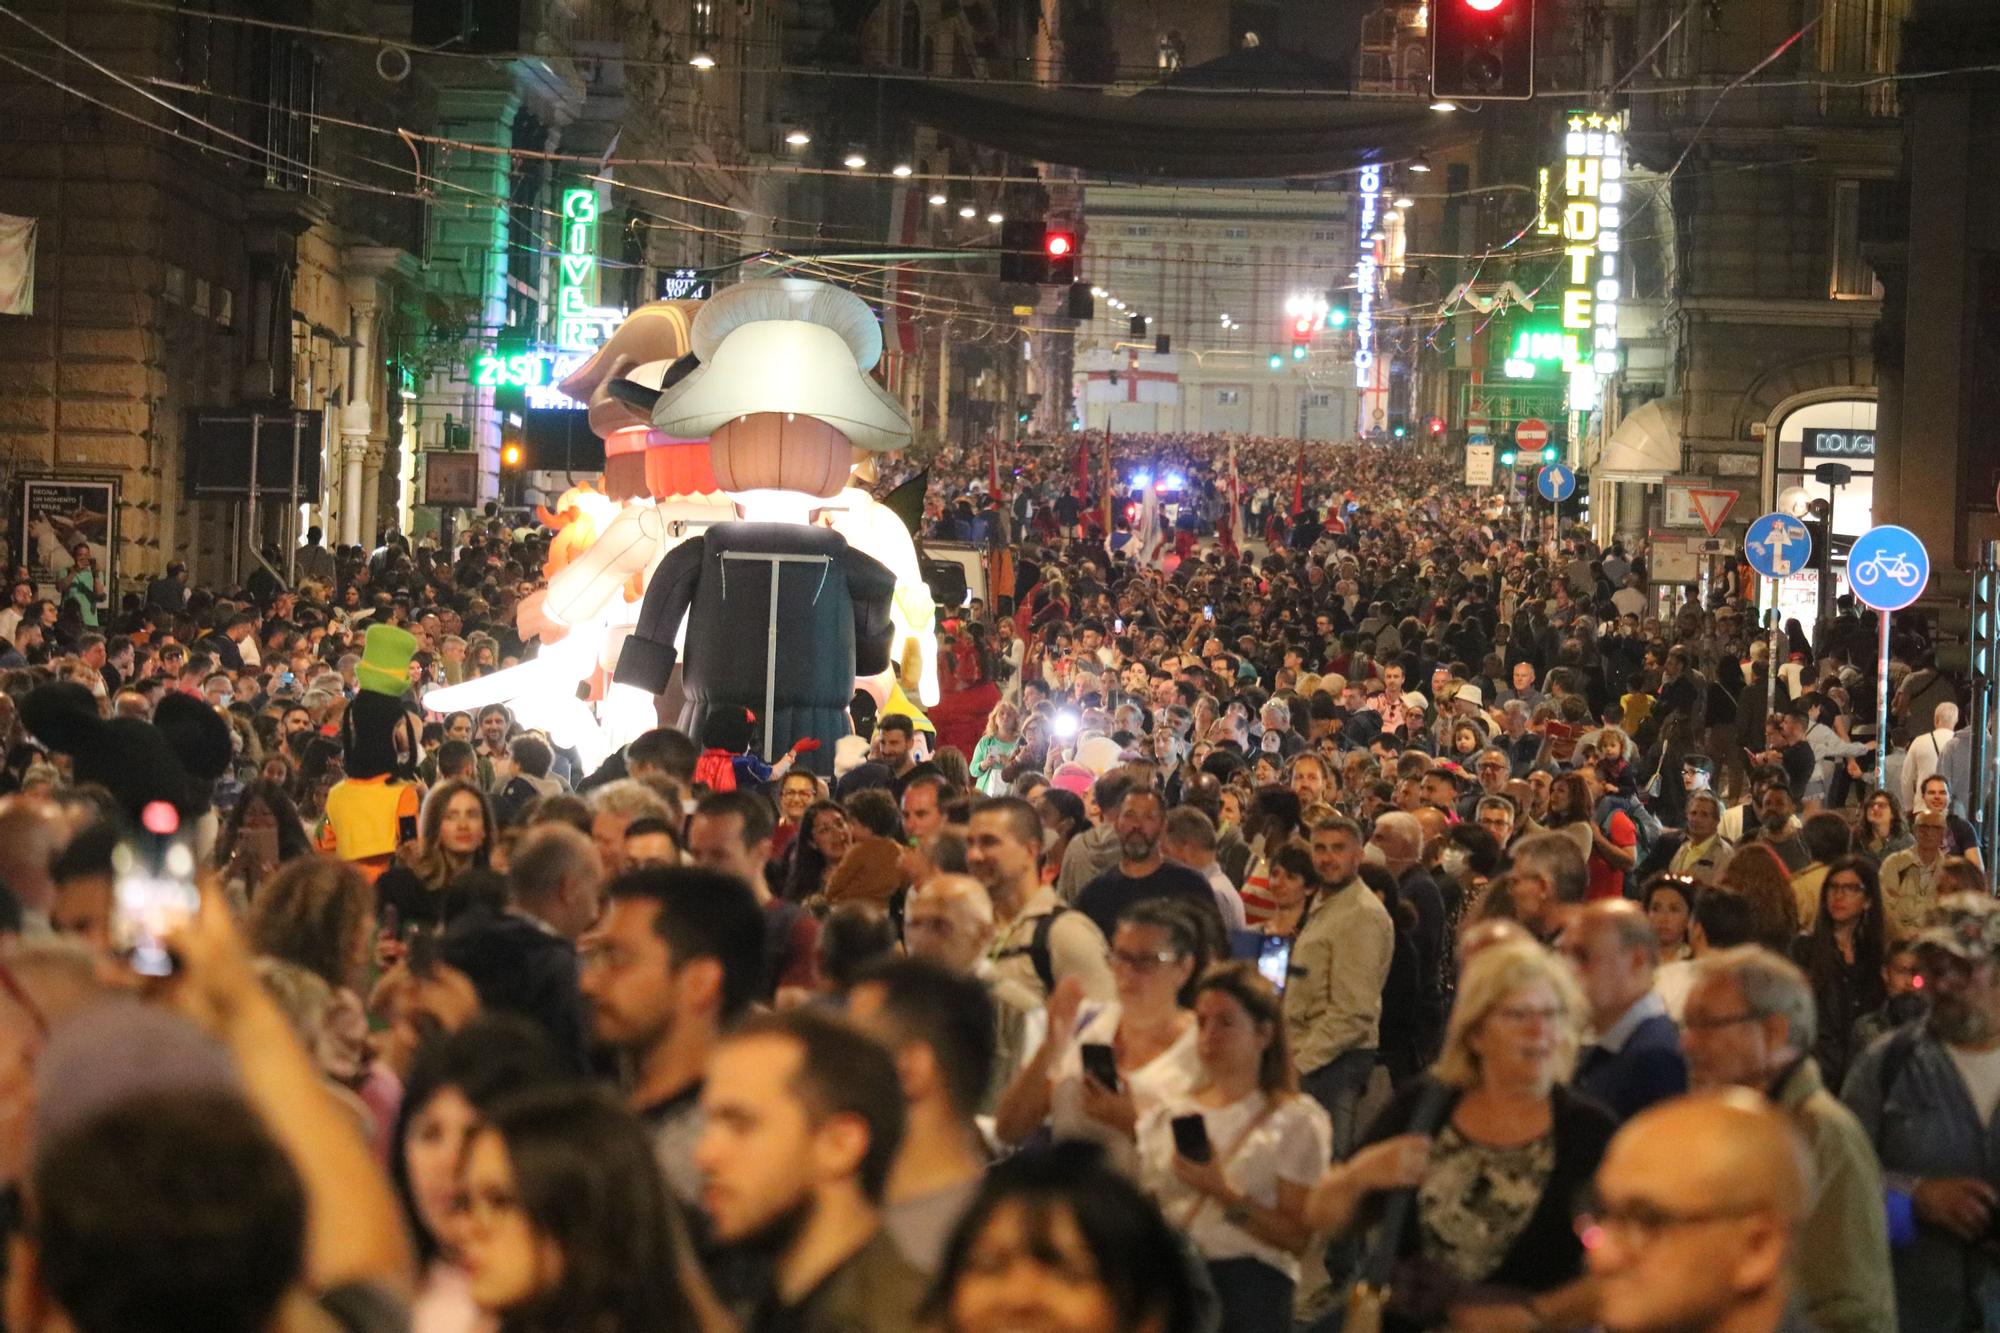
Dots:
{"x": 1887, "y": 567}
{"x": 1776, "y": 547}
{"x": 1555, "y": 483}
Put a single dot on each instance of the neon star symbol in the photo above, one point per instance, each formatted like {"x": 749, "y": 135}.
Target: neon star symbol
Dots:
{"x": 1576, "y": 122}
{"x": 1594, "y": 121}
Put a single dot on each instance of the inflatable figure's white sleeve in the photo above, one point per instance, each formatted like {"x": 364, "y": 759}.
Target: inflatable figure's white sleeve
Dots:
{"x": 583, "y": 597}
{"x": 580, "y": 590}
{"x": 874, "y": 529}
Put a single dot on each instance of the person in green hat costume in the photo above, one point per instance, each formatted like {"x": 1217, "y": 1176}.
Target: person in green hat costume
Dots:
{"x": 373, "y": 810}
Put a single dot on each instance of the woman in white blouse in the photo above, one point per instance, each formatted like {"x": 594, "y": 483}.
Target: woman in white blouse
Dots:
{"x": 1243, "y": 1204}
{"x": 1158, "y": 949}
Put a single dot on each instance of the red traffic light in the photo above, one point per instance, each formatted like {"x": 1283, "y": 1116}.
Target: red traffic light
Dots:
{"x": 1484, "y": 6}
{"x": 1059, "y": 244}
{"x": 1302, "y": 327}
{"x": 1437, "y": 425}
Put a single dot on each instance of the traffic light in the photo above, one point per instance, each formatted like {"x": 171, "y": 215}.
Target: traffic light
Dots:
{"x": 1550, "y": 453}
{"x": 510, "y": 455}
{"x": 1276, "y": 362}
{"x": 1081, "y": 305}
{"x": 1336, "y": 317}
{"x": 1436, "y": 425}
{"x": 1483, "y": 49}
{"x": 1022, "y": 258}
{"x": 1299, "y": 351}
{"x": 1507, "y": 457}
{"x": 1137, "y": 328}
{"x": 1059, "y": 253}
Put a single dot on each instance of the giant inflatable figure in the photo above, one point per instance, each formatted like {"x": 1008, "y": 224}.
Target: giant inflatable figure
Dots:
{"x": 666, "y": 481}
{"x": 781, "y": 613}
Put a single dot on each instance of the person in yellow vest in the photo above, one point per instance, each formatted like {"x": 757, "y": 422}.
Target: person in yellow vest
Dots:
{"x": 373, "y": 810}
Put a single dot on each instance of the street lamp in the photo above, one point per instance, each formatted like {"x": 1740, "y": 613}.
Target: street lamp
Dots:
{"x": 702, "y": 60}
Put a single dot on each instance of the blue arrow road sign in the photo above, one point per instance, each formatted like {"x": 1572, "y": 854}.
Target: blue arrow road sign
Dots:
{"x": 1556, "y": 483}
{"x": 1888, "y": 567}
{"x": 1777, "y": 545}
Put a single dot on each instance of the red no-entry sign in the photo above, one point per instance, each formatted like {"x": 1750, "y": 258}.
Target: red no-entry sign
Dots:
{"x": 1532, "y": 434}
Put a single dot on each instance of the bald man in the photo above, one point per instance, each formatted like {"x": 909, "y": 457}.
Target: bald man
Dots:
{"x": 1633, "y": 1058}
{"x": 1699, "y": 1199}
{"x": 32, "y": 831}
{"x": 949, "y": 920}
{"x": 1399, "y": 837}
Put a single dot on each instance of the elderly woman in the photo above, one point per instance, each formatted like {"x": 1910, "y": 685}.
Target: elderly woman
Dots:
{"x": 1489, "y": 1240}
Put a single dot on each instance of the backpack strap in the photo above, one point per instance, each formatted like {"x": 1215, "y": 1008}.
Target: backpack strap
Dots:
{"x": 1038, "y": 949}
{"x": 1896, "y": 1058}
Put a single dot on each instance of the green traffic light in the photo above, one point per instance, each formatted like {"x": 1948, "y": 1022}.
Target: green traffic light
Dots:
{"x": 1336, "y": 318}
{"x": 1398, "y": 432}
{"x": 1277, "y": 362}
{"x": 1506, "y": 458}
{"x": 1298, "y": 351}
{"x": 1549, "y": 453}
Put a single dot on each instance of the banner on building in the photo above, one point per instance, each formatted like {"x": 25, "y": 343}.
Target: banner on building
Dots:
{"x": 17, "y": 265}
{"x": 1130, "y": 377}
{"x": 57, "y": 514}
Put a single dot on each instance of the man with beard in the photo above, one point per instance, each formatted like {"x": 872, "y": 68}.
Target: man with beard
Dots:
{"x": 1143, "y": 870}
{"x": 676, "y": 958}
{"x": 803, "y": 1118}
{"x": 1942, "y": 1079}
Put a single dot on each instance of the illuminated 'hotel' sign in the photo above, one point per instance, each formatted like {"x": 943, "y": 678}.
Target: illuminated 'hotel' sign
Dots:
{"x": 1593, "y": 214}
{"x": 1365, "y": 274}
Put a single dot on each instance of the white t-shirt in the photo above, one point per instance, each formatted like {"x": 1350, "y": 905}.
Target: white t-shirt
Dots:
{"x": 1292, "y": 1145}
{"x": 1168, "y": 1075}
{"x": 1981, "y": 1072}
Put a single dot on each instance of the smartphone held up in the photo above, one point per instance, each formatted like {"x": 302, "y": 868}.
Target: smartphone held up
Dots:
{"x": 153, "y": 890}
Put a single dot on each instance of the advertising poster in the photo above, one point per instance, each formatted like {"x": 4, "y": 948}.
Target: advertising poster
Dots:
{"x": 54, "y": 516}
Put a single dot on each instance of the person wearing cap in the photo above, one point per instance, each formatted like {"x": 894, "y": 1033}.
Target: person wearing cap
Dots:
{"x": 373, "y": 809}
{"x": 1927, "y": 1095}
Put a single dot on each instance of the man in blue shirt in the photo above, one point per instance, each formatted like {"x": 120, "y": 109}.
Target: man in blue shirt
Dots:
{"x": 1634, "y": 1060}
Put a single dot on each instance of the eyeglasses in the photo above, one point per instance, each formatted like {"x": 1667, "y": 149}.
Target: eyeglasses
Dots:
{"x": 1846, "y": 886}
{"x": 1524, "y": 1014}
{"x": 1638, "y": 1223}
{"x": 1719, "y": 1021}
{"x": 1144, "y": 962}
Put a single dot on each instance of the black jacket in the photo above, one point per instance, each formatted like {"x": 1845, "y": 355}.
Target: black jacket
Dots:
{"x": 521, "y": 967}
{"x": 791, "y": 661}
{"x": 1547, "y": 1253}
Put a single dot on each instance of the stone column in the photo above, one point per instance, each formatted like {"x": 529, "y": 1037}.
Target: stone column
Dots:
{"x": 370, "y": 272}
{"x": 371, "y": 489}
{"x": 357, "y": 412}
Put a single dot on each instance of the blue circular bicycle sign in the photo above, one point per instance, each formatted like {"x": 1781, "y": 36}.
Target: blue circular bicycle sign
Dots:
{"x": 1777, "y": 546}
{"x": 1556, "y": 483}
{"x": 1888, "y": 567}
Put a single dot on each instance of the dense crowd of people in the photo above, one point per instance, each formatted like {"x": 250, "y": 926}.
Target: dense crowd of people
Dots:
{"x": 1315, "y": 907}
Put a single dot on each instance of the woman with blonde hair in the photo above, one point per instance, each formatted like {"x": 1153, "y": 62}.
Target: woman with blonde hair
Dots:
{"x": 1242, "y": 1202}
{"x": 990, "y": 757}
{"x": 1496, "y": 1148}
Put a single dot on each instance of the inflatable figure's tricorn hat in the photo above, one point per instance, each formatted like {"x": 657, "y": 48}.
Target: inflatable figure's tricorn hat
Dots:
{"x": 783, "y": 391}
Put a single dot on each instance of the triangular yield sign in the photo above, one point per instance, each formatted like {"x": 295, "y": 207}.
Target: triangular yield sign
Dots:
{"x": 1712, "y": 507}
